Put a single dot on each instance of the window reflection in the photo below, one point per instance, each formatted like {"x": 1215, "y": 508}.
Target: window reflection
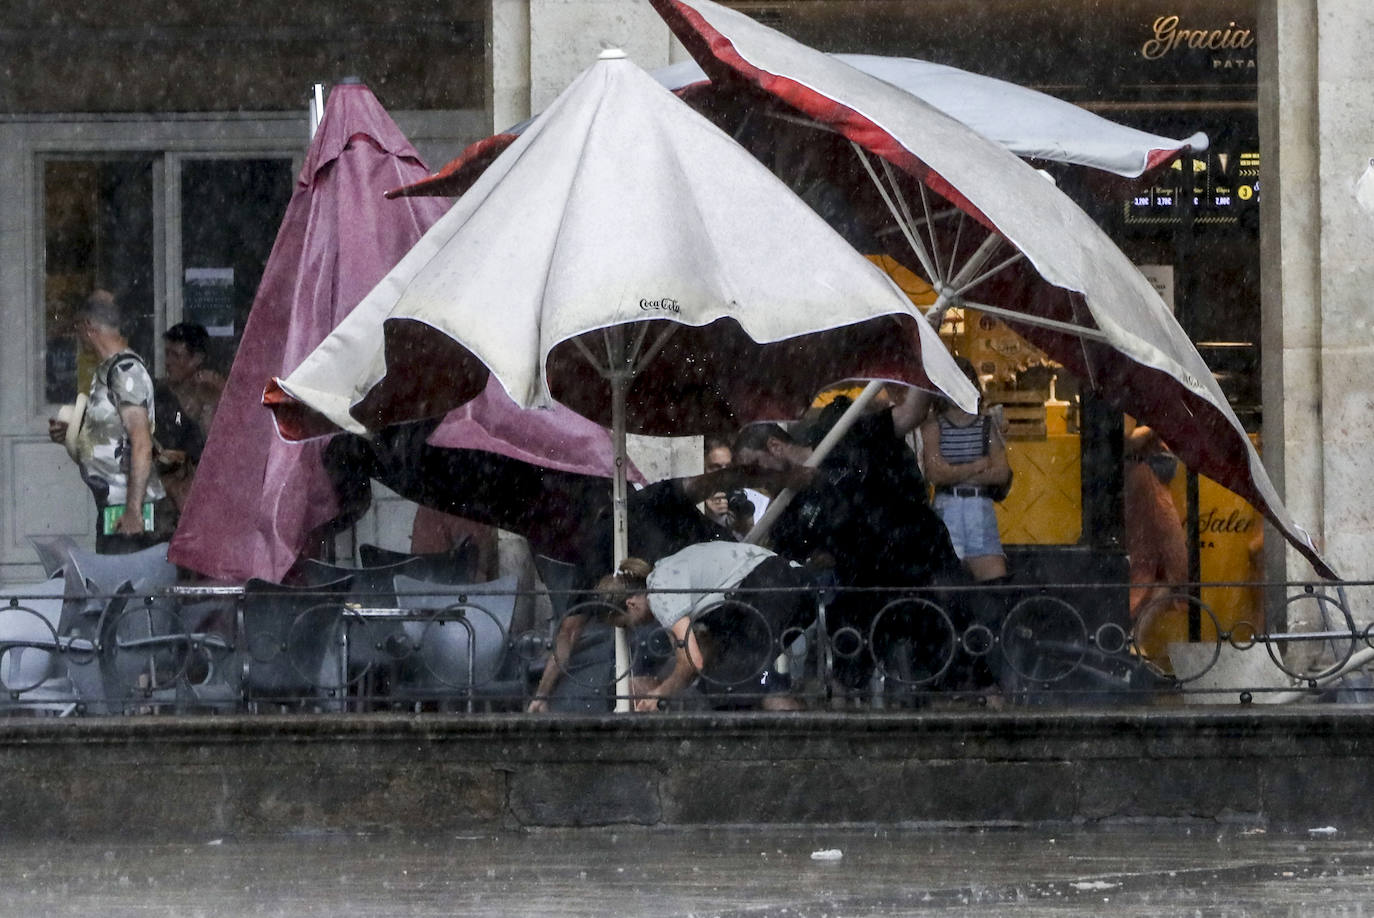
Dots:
{"x": 231, "y": 210}
{"x": 99, "y": 224}
{"x": 98, "y": 232}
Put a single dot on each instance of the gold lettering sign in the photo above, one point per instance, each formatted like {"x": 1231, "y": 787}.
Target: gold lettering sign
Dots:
{"x": 1169, "y": 37}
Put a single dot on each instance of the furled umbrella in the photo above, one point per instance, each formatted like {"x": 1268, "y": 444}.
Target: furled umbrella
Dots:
{"x": 256, "y": 498}
{"x": 627, "y": 259}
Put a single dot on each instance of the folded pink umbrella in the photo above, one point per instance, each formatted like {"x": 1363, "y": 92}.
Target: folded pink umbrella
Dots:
{"x": 256, "y": 497}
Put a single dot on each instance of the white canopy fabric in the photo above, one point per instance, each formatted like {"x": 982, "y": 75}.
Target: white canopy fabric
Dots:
{"x": 619, "y": 206}
{"x": 1084, "y": 302}
{"x": 625, "y": 258}
{"x": 1032, "y": 124}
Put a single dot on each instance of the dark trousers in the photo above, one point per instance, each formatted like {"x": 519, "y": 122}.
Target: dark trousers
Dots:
{"x": 742, "y": 636}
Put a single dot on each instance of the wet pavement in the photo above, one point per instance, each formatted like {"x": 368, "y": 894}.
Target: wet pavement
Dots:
{"x": 1171, "y": 870}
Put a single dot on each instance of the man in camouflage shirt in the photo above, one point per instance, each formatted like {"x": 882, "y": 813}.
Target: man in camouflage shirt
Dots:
{"x": 115, "y": 442}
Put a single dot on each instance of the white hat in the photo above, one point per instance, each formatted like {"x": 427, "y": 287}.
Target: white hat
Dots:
{"x": 73, "y": 415}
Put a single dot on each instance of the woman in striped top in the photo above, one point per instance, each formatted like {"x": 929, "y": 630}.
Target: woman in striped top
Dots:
{"x": 964, "y": 456}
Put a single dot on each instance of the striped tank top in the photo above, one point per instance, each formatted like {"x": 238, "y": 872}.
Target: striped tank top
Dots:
{"x": 962, "y": 444}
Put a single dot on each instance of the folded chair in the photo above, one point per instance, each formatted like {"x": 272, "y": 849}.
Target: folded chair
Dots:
{"x": 152, "y": 658}
{"x": 33, "y": 676}
{"x": 147, "y": 571}
{"x": 291, "y": 643}
{"x": 53, "y": 551}
{"x": 460, "y": 640}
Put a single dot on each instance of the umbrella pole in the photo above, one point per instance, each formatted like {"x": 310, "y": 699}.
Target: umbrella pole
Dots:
{"x": 619, "y": 379}
{"x": 778, "y": 504}
{"x": 316, "y": 108}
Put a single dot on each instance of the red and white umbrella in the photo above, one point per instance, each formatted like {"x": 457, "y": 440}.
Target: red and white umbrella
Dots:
{"x": 986, "y": 230}
{"x": 1034, "y": 125}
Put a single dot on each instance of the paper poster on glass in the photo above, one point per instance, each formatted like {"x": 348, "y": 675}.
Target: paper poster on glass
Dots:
{"x": 208, "y": 299}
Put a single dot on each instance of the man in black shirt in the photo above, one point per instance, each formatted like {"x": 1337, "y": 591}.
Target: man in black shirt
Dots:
{"x": 564, "y": 515}
{"x": 865, "y": 514}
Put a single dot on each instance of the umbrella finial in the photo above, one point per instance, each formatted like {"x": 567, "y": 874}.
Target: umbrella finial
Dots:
{"x": 611, "y": 54}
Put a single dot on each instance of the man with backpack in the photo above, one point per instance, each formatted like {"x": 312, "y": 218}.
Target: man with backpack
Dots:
{"x": 113, "y": 437}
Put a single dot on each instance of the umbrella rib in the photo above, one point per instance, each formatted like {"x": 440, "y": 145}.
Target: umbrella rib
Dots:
{"x": 1013, "y": 259}
{"x": 911, "y": 239}
{"x": 1083, "y": 346}
{"x": 657, "y": 346}
{"x": 632, "y": 355}
{"x": 1011, "y": 315}
{"x": 958, "y": 236}
{"x": 613, "y": 361}
{"x": 930, "y": 227}
{"x": 743, "y": 123}
{"x": 603, "y": 372}
{"x": 928, "y": 222}
{"x": 976, "y": 261}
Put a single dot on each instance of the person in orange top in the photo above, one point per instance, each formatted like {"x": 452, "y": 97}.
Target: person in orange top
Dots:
{"x": 1155, "y": 539}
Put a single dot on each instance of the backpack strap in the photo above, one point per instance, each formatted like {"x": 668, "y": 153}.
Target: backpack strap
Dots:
{"x": 109, "y": 390}
{"x": 114, "y": 365}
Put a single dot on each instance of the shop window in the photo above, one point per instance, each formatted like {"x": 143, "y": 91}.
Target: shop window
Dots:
{"x": 102, "y": 228}
{"x": 230, "y": 212}
{"x": 98, "y": 232}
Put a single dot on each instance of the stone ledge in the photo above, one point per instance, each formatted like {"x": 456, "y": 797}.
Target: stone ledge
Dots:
{"x": 189, "y": 777}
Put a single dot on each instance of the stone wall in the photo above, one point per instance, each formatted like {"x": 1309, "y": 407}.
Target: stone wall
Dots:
{"x": 176, "y": 778}
{"x": 166, "y": 56}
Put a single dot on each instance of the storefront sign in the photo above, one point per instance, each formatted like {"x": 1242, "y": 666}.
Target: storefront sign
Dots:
{"x": 1225, "y": 184}
{"x": 1170, "y": 36}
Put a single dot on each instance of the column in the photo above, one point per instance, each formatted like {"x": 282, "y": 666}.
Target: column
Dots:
{"x": 1318, "y": 274}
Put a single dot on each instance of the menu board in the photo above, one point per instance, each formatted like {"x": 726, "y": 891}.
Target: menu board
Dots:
{"x": 1225, "y": 184}
{"x": 208, "y": 299}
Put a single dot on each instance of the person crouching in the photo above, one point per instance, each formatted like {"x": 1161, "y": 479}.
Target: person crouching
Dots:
{"x": 730, "y": 608}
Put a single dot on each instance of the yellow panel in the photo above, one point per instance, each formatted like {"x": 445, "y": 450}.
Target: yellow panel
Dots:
{"x": 1230, "y": 549}
{"x": 1045, "y": 506}
{"x": 920, "y": 292}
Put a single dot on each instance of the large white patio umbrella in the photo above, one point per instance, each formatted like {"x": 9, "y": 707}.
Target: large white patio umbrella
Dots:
{"x": 627, "y": 259}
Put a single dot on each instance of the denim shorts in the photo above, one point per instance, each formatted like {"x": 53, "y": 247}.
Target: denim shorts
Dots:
{"x": 972, "y": 525}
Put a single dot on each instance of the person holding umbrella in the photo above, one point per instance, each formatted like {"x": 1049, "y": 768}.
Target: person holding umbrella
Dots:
{"x": 864, "y": 516}
{"x": 564, "y": 515}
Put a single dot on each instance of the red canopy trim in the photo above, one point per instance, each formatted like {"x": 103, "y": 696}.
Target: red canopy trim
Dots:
{"x": 295, "y": 421}
{"x": 710, "y": 47}
{"x": 459, "y": 175}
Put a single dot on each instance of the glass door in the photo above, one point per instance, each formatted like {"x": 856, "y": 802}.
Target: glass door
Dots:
{"x": 230, "y": 211}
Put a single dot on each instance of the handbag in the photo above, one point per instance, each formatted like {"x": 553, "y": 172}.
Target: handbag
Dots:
{"x": 997, "y": 492}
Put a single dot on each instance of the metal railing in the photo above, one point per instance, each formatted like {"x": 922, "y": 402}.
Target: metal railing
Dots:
{"x": 231, "y": 649}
